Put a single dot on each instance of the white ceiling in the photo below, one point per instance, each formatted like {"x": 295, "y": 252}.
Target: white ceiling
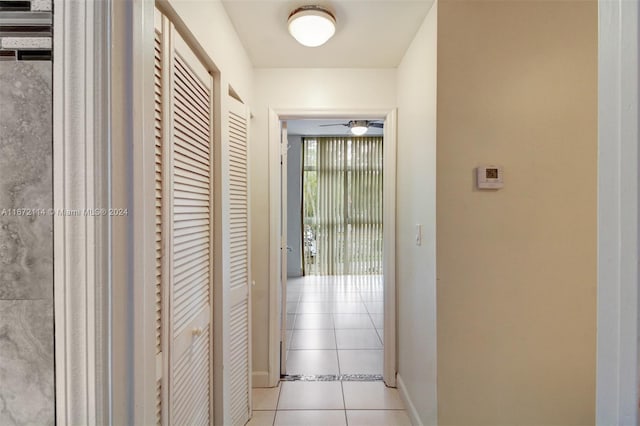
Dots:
{"x": 369, "y": 34}
{"x": 313, "y": 127}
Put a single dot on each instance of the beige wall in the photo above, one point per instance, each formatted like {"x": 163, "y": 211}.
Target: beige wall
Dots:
{"x": 416, "y": 204}
{"x": 295, "y": 88}
{"x": 517, "y": 267}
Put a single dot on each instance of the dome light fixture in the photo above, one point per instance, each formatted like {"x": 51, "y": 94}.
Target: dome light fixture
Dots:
{"x": 312, "y": 26}
{"x": 358, "y": 127}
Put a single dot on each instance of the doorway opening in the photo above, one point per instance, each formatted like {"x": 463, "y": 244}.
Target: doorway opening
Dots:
{"x": 279, "y": 149}
{"x": 334, "y": 285}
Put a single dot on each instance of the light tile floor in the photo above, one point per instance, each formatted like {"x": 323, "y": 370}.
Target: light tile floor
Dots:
{"x": 334, "y": 327}
{"x": 301, "y": 403}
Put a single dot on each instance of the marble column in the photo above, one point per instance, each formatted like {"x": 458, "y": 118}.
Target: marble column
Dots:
{"x": 26, "y": 244}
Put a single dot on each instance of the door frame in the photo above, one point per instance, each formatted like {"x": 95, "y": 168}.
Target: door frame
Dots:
{"x": 284, "y": 164}
{"x": 389, "y": 230}
{"x": 103, "y": 264}
{"x": 618, "y": 213}
{"x": 82, "y": 245}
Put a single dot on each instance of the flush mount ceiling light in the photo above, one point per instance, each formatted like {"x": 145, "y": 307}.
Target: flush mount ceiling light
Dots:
{"x": 312, "y": 26}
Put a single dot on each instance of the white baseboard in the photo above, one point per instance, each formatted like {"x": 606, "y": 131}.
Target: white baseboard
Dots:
{"x": 411, "y": 409}
{"x": 260, "y": 379}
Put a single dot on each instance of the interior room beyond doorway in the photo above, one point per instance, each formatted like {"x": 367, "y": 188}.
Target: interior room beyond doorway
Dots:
{"x": 334, "y": 290}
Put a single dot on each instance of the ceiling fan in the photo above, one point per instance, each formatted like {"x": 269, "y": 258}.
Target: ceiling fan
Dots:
{"x": 358, "y": 127}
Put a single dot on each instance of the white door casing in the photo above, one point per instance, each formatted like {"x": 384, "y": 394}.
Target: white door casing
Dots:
{"x": 390, "y": 366}
{"x": 82, "y": 256}
{"x": 618, "y": 213}
{"x": 284, "y": 147}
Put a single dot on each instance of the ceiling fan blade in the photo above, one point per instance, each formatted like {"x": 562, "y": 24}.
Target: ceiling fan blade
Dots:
{"x": 328, "y": 125}
{"x": 378, "y": 125}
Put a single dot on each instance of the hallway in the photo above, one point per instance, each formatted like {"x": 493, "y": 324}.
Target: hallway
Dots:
{"x": 335, "y": 341}
{"x": 161, "y": 134}
{"x": 325, "y": 403}
{"x": 334, "y": 330}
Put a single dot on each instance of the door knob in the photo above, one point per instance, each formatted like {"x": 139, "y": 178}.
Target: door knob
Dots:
{"x": 197, "y": 331}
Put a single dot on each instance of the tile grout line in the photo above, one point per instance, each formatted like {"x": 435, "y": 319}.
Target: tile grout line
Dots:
{"x": 344, "y": 403}
{"x": 373, "y": 322}
{"x": 335, "y": 338}
{"x": 286, "y": 355}
{"x": 275, "y": 413}
{"x": 293, "y": 326}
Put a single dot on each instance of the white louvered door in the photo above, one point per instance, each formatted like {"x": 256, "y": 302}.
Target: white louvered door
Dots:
{"x": 187, "y": 231}
{"x": 239, "y": 312}
{"x": 185, "y": 190}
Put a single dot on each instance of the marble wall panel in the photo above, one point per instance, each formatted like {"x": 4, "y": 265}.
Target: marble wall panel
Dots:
{"x": 26, "y": 362}
{"x": 26, "y": 245}
{"x": 26, "y": 236}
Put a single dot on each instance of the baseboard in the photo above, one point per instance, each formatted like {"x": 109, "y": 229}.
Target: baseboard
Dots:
{"x": 411, "y": 409}
{"x": 260, "y": 379}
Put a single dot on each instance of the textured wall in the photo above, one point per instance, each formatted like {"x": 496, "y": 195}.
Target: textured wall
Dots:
{"x": 26, "y": 244}
{"x": 517, "y": 86}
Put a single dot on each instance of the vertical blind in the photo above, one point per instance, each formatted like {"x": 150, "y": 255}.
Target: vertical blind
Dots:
{"x": 342, "y": 205}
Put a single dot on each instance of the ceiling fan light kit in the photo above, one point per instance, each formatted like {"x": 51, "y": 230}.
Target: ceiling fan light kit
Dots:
{"x": 358, "y": 128}
{"x": 312, "y": 26}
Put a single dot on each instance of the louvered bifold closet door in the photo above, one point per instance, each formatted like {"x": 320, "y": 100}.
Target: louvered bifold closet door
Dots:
{"x": 158, "y": 142}
{"x": 191, "y": 229}
{"x": 239, "y": 264}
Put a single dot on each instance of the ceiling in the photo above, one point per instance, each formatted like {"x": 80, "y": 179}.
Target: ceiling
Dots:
{"x": 369, "y": 34}
{"x": 312, "y": 127}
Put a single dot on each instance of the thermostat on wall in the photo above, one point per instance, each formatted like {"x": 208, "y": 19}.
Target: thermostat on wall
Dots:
{"x": 490, "y": 177}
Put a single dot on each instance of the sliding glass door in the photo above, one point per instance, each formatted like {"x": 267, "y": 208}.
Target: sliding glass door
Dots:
{"x": 342, "y": 205}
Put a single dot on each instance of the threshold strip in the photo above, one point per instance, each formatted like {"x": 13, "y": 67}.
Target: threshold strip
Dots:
{"x": 331, "y": 378}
